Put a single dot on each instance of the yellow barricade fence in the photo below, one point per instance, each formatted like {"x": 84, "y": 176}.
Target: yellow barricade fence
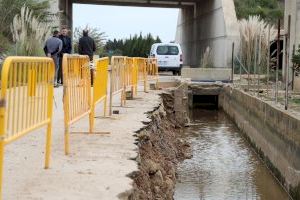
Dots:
{"x": 152, "y": 70}
{"x": 26, "y": 101}
{"x": 126, "y": 72}
{"x": 100, "y": 83}
{"x": 131, "y": 75}
{"x": 142, "y": 72}
{"x": 135, "y": 78}
{"x": 77, "y": 93}
{"x": 117, "y": 79}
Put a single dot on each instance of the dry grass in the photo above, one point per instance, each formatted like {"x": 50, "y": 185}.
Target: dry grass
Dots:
{"x": 254, "y": 34}
{"x": 29, "y": 33}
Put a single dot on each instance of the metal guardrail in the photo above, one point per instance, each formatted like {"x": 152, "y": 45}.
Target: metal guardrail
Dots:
{"x": 100, "y": 83}
{"x": 152, "y": 69}
{"x": 142, "y": 72}
{"x": 26, "y": 101}
{"x": 131, "y": 75}
{"x": 77, "y": 93}
{"x": 117, "y": 80}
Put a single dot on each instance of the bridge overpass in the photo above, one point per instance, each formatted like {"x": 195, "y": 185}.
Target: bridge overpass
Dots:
{"x": 201, "y": 24}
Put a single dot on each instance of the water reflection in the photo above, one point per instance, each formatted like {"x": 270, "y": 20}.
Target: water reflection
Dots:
{"x": 223, "y": 165}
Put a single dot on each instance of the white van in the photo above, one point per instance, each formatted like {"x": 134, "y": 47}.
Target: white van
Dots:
{"x": 169, "y": 57}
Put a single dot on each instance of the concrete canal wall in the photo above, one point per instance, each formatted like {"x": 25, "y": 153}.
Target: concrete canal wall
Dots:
{"x": 273, "y": 132}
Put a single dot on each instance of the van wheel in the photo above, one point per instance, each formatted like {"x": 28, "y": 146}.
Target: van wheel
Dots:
{"x": 179, "y": 72}
{"x": 174, "y": 73}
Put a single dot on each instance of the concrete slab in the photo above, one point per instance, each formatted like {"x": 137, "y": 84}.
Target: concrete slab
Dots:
{"x": 207, "y": 74}
{"x": 97, "y": 167}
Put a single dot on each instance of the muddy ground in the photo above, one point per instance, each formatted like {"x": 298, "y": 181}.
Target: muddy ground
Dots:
{"x": 160, "y": 150}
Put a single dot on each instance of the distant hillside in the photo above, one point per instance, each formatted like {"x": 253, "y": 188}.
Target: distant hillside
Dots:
{"x": 269, "y": 10}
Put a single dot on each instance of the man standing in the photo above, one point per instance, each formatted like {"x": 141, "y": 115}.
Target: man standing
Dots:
{"x": 52, "y": 48}
{"x": 87, "y": 46}
{"x": 67, "y": 48}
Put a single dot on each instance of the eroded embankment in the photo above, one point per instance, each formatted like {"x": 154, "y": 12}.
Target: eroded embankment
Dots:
{"x": 160, "y": 150}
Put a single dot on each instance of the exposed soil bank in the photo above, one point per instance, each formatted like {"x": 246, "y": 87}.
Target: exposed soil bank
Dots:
{"x": 160, "y": 150}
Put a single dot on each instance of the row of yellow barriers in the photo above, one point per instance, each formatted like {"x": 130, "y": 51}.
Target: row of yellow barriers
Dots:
{"x": 27, "y": 93}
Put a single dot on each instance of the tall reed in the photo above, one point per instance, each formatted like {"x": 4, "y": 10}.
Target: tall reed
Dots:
{"x": 29, "y": 33}
{"x": 254, "y": 34}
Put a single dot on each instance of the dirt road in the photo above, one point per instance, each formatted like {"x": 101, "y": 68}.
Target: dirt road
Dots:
{"x": 95, "y": 169}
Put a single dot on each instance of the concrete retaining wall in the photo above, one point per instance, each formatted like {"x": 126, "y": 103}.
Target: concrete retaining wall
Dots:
{"x": 207, "y": 74}
{"x": 273, "y": 132}
{"x": 209, "y": 24}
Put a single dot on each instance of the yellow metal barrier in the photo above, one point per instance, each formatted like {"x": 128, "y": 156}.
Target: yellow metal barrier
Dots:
{"x": 142, "y": 72}
{"x": 26, "y": 101}
{"x": 135, "y": 78}
{"x": 77, "y": 93}
{"x": 100, "y": 83}
{"x": 117, "y": 79}
{"x": 131, "y": 75}
{"x": 152, "y": 70}
{"x": 125, "y": 74}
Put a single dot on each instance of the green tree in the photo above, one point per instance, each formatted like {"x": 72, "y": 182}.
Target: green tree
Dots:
{"x": 269, "y": 10}
{"x": 134, "y": 46}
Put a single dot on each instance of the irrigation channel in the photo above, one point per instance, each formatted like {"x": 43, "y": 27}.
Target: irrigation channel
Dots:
{"x": 223, "y": 166}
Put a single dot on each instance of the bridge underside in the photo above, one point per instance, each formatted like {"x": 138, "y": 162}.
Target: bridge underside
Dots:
{"x": 202, "y": 24}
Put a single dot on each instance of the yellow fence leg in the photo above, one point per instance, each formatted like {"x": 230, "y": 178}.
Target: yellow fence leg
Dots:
{"x": 66, "y": 108}
{"x": 111, "y": 90}
{"x": 48, "y": 145}
{"x": 1, "y": 149}
{"x": 91, "y": 118}
{"x": 145, "y": 77}
{"x": 1, "y": 166}
{"x": 4, "y": 83}
{"x": 49, "y": 126}
{"x": 91, "y": 105}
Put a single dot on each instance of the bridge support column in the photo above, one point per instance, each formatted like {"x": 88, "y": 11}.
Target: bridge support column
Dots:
{"x": 66, "y": 13}
{"x": 210, "y": 24}
{"x": 292, "y": 8}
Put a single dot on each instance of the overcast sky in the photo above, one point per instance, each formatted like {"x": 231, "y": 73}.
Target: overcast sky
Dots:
{"x": 121, "y": 22}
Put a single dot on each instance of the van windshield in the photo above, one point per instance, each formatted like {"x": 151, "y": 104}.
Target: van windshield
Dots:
{"x": 167, "y": 50}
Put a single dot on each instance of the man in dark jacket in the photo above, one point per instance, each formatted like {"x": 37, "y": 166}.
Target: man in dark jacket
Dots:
{"x": 67, "y": 48}
{"x": 52, "y": 48}
{"x": 87, "y": 46}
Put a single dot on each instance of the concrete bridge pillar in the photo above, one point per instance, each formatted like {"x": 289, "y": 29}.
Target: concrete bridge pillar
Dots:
{"x": 204, "y": 24}
{"x": 66, "y": 13}
{"x": 292, "y": 8}
{"x": 210, "y": 24}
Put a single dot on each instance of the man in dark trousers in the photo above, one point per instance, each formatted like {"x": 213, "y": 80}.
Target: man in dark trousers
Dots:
{"x": 67, "y": 48}
{"x": 52, "y": 48}
{"x": 87, "y": 46}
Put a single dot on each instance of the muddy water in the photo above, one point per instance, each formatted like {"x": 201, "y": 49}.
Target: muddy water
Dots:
{"x": 223, "y": 166}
